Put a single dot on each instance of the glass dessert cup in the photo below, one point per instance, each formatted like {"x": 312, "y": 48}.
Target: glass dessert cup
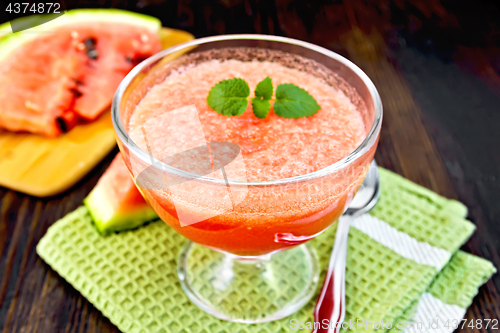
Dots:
{"x": 234, "y": 265}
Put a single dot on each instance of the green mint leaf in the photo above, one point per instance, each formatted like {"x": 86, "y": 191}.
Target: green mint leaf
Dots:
{"x": 264, "y": 89}
{"x": 229, "y": 97}
{"x": 294, "y": 102}
{"x": 260, "y": 107}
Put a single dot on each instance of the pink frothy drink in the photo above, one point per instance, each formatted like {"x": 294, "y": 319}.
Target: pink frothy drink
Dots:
{"x": 273, "y": 148}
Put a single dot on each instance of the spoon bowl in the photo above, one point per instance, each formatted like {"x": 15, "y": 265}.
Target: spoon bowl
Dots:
{"x": 368, "y": 193}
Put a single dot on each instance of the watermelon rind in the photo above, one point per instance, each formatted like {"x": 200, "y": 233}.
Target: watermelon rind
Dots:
{"x": 9, "y": 41}
{"x": 107, "y": 219}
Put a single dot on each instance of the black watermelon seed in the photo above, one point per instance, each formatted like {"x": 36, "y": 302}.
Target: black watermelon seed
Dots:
{"x": 136, "y": 60}
{"x": 77, "y": 93}
{"x": 90, "y": 50}
{"x": 62, "y": 124}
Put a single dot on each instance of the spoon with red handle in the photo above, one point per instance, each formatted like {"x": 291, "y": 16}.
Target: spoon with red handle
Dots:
{"x": 329, "y": 311}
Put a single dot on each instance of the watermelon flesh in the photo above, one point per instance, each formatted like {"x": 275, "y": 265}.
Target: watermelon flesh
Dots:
{"x": 51, "y": 83}
{"x": 109, "y": 59}
{"x": 115, "y": 203}
{"x": 37, "y": 84}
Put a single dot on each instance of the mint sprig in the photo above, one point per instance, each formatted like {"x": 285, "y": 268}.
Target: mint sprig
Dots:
{"x": 263, "y": 94}
{"x": 294, "y": 102}
{"x": 264, "y": 89}
{"x": 230, "y": 98}
{"x": 261, "y": 107}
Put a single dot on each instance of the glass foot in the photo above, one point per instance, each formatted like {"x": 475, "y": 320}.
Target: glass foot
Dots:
{"x": 247, "y": 290}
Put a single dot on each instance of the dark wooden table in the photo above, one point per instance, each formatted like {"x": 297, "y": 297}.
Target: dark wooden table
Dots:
{"x": 436, "y": 65}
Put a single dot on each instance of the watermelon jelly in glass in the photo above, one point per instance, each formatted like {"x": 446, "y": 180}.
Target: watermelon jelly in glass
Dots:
{"x": 248, "y": 146}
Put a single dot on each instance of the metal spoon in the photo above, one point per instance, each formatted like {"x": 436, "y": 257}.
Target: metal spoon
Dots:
{"x": 331, "y": 300}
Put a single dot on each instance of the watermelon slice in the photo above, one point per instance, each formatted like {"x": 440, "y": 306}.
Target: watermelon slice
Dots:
{"x": 66, "y": 71}
{"x": 115, "y": 203}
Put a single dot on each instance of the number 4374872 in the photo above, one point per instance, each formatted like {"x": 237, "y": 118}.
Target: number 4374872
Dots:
{"x": 35, "y": 8}
{"x": 472, "y": 323}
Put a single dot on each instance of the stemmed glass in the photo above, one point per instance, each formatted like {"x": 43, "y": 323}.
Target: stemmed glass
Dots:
{"x": 247, "y": 259}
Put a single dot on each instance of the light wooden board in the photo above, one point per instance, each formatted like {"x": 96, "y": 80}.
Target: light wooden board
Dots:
{"x": 43, "y": 167}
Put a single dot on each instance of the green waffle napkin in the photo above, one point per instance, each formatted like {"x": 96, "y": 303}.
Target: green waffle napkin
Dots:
{"x": 402, "y": 262}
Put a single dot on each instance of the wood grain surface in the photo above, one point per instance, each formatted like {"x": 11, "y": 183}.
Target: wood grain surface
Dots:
{"x": 436, "y": 65}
